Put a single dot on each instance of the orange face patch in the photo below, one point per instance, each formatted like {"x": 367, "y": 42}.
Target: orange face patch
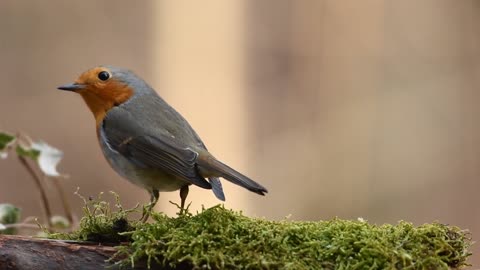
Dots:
{"x": 102, "y": 95}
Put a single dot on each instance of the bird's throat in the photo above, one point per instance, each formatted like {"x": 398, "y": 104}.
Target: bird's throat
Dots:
{"x": 97, "y": 106}
{"x": 100, "y": 102}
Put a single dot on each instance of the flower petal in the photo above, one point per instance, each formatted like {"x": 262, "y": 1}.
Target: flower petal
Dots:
{"x": 48, "y": 159}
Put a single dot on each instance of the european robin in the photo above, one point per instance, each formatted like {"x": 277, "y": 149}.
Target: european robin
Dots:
{"x": 147, "y": 141}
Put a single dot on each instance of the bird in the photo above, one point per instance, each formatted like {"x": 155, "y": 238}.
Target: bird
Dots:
{"x": 146, "y": 141}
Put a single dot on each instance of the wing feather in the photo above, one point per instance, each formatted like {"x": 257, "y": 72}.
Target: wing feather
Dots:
{"x": 151, "y": 148}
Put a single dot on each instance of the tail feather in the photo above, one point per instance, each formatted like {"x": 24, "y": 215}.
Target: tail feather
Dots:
{"x": 217, "y": 188}
{"x": 212, "y": 167}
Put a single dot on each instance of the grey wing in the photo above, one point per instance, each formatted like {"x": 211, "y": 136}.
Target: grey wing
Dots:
{"x": 149, "y": 148}
{"x": 165, "y": 116}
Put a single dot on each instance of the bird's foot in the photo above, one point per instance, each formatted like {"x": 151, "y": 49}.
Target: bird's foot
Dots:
{"x": 147, "y": 210}
{"x": 183, "y": 210}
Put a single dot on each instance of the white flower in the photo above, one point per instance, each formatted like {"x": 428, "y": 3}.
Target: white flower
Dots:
{"x": 2, "y": 227}
{"x": 48, "y": 159}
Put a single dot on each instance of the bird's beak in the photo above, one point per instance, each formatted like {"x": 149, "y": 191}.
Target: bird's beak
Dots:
{"x": 71, "y": 87}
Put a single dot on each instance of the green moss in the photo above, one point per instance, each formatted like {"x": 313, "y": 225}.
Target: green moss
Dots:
{"x": 100, "y": 223}
{"x": 218, "y": 238}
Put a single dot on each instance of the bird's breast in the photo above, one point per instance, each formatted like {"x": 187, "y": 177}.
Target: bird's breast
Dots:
{"x": 144, "y": 177}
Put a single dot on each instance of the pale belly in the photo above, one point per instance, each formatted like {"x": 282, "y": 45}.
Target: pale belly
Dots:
{"x": 145, "y": 178}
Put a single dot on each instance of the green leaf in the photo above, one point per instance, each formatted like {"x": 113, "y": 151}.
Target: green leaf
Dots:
{"x": 30, "y": 153}
{"x": 9, "y": 214}
{"x": 5, "y": 140}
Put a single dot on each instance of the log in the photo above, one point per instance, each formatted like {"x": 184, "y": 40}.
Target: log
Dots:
{"x": 26, "y": 253}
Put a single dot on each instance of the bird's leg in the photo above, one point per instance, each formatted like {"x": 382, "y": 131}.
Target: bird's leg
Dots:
{"x": 154, "y": 194}
{"x": 183, "y": 197}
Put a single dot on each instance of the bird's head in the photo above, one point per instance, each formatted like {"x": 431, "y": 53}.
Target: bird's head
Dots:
{"x": 105, "y": 87}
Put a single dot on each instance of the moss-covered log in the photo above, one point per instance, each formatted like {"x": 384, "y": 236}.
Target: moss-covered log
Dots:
{"x": 218, "y": 238}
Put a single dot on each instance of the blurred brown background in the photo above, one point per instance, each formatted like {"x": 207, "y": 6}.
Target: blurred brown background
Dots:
{"x": 341, "y": 108}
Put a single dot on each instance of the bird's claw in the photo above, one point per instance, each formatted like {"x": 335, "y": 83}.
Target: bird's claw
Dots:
{"x": 147, "y": 210}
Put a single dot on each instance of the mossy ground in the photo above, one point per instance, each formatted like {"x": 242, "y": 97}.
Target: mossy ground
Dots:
{"x": 218, "y": 238}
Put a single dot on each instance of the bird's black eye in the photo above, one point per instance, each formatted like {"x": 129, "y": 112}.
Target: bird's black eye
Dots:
{"x": 104, "y": 75}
